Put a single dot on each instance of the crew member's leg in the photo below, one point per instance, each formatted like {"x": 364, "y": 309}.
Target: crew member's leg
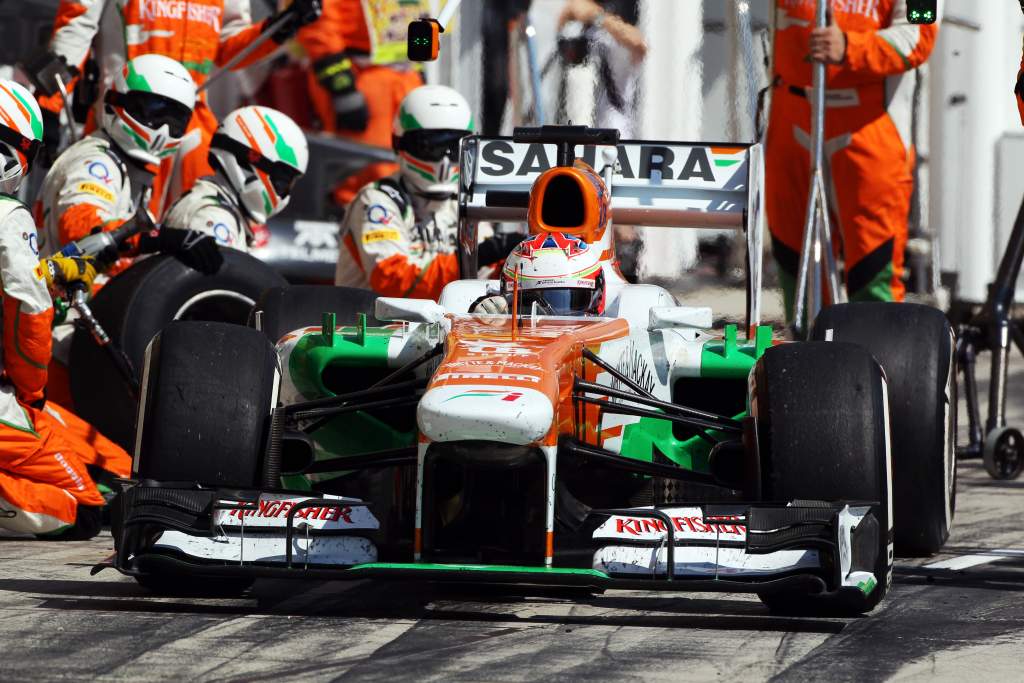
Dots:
{"x": 31, "y": 507}
{"x": 873, "y": 183}
{"x": 45, "y": 487}
{"x": 92, "y": 447}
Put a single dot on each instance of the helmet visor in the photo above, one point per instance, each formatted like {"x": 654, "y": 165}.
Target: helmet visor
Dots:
{"x": 153, "y": 111}
{"x": 571, "y": 301}
{"x": 432, "y": 145}
{"x": 282, "y": 176}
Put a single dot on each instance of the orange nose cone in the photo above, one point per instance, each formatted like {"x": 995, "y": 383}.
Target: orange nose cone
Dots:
{"x": 570, "y": 200}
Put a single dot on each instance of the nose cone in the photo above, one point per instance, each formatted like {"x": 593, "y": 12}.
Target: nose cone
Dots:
{"x": 457, "y": 413}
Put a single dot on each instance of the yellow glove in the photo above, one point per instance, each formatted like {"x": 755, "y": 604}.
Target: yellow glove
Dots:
{"x": 66, "y": 270}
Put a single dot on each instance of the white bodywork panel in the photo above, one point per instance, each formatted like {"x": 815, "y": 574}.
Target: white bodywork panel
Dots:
{"x": 702, "y": 562}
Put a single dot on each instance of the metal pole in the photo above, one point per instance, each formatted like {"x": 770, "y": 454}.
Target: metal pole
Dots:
{"x": 535, "y": 77}
{"x": 246, "y": 52}
{"x": 811, "y": 255}
{"x": 72, "y": 137}
{"x": 835, "y": 283}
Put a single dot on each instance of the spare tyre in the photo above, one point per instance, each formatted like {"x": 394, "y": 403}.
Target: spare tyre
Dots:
{"x": 134, "y": 306}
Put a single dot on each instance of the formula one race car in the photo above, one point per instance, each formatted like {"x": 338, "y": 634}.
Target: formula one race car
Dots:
{"x": 347, "y": 436}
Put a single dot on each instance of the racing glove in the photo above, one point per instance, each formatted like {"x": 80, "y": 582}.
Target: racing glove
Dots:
{"x": 67, "y": 270}
{"x": 492, "y": 304}
{"x": 295, "y": 15}
{"x": 195, "y": 249}
{"x": 335, "y": 75}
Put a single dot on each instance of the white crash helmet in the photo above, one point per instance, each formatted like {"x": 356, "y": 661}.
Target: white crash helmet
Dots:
{"x": 426, "y": 133}
{"x": 21, "y": 134}
{"x": 148, "y": 106}
{"x": 261, "y": 153}
{"x": 561, "y": 273}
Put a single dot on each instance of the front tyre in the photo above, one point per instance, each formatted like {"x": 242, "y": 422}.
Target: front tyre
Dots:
{"x": 820, "y": 421}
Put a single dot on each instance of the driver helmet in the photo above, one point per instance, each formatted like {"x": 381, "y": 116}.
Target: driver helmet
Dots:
{"x": 426, "y": 133}
{"x": 561, "y": 273}
{"x": 148, "y": 107}
{"x": 261, "y": 153}
{"x": 21, "y": 134}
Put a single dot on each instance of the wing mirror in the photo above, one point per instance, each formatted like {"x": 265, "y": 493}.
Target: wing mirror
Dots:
{"x": 699, "y": 317}
{"x": 393, "y": 309}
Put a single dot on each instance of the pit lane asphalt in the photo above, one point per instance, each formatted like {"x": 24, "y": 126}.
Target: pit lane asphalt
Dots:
{"x": 937, "y": 623}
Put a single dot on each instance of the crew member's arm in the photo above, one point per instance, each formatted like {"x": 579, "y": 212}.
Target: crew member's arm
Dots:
{"x": 27, "y": 307}
{"x": 238, "y": 31}
{"x": 327, "y": 43}
{"x": 375, "y": 239}
{"x": 74, "y": 28}
{"x": 328, "y": 35}
{"x": 89, "y": 199}
{"x": 622, "y": 32}
{"x": 900, "y": 47}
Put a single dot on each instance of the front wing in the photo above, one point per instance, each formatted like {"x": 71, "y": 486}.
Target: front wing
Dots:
{"x": 811, "y": 546}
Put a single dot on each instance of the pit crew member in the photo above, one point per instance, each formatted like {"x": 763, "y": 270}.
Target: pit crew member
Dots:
{"x": 559, "y": 274}
{"x": 871, "y": 51}
{"x": 45, "y": 451}
{"x": 100, "y": 181}
{"x": 399, "y": 233}
{"x": 353, "y": 95}
{"x": 201, "y": 34}
{"x": 259, "y": 154}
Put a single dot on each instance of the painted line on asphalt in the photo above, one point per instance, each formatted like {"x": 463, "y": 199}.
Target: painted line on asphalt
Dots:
{"x": 975, "y": 559}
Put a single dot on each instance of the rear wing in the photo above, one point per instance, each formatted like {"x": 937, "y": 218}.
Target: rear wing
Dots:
{"x": 658, "y": 184}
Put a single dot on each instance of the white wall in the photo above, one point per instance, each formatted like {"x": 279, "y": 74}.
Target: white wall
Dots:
{"x": 973, "y": 73}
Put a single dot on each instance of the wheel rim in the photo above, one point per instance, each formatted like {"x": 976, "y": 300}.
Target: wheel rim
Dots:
{"x": 220, "y": 305}
{"x": 1005, "y": 454}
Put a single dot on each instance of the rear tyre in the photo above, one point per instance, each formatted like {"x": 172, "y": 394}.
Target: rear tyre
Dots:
{"x": 137, "y": 304}
{"x": 208, "y": 394}
{"x": 819, "y": 415}
{"x": 293, "y": 307}
{"x": 914, "y": 345}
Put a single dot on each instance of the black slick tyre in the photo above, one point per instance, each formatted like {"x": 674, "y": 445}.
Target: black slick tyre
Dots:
{"x": 914, "y": 344}
{"x": 284, "y": 309}
{"x": 820, "y": 421}
{"x": 138, "y": 303}
{"x": 204, "y": 417}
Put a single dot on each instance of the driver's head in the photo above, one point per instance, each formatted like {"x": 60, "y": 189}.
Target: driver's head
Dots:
{"x": 427, "y": 129}
{"x": 561, "y": 273}
{"x": 148, "y": 107}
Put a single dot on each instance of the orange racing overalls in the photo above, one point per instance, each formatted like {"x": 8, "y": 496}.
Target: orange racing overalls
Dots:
{"x": 44, "y": 449}
{"x": 201, "y": 34}
{"x": 868, "y": 146}
{"x": 343, "y": 29}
